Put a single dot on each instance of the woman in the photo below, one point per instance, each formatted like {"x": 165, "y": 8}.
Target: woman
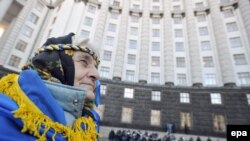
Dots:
{"x": 53, "y": 97}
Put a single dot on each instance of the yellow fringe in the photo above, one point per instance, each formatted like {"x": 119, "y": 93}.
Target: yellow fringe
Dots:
{"x": 33, "y": 118}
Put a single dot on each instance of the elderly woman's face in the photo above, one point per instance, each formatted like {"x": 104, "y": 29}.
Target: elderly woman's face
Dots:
{"x": 86, "y": 72}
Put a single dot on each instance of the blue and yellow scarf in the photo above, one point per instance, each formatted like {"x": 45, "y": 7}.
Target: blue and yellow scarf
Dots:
{"x": 29, "y": 112}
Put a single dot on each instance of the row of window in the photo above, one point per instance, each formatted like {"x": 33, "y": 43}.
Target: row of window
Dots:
{"x": 209, "y": 79}
{"x": 186, "y": 118}
{"x": 184, "y": 97}
{"x": 239, "y": 59}
{"x": 26, "y": 31}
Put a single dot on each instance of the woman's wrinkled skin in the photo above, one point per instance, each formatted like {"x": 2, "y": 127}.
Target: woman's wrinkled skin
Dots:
{"x": 86, "y": 73}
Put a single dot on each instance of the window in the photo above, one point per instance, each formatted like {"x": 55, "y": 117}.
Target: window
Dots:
{"x": 54, "y": 20}
{"x": 215, "y": 98}
{"x": 49, "y": 33}
{"x": 21, "y": 45}
{"x": 219, "y": 123}
{"x": 133, "y": 31}
{"x": 155, "y": 46}
{"x": 201, "y": 18}
{"x": 116, "y": 3}
{"x": 103, "y": 89}
{"x": 177, "y": 20}
{"x": 210, "y": 79}
{"x": 208, "y": 62}
{"x": 134, "y": 19}
{"x": 179, "y": 46}
{"x": 114, "y": 16}
{"x": 1, "y": 31}
{"x": 91, "y": 9}
{"x": 184, "y": 98}
{"x": 231, "y": 27}
{"x": 205, "y": 45}
{"x": 88, "y": 21}
{"x": 224, "y": 1}
{"x": 240, "y": 59}
{"x": 178, "y": 33}
{"x": 112, "y": 27}
{"x": 155, "y": 78}
{"x": 14, "y": 61}
{"x": 100, "y": 110}
{"x": 107, "y": 55}
{"x": 185, "y": 120}
{"x": 132, "y": 44}
{"x": 180, "y": 62}
{"x": 131, "y": 59}
{"x": 181, "y": 79}
{"x": 128, "y": 93}
{"x": 244, "y": 78}
{"x": 228, "y": 13}
{"x": 33, "y": 18}
{"x": 27, "y": 31}
{"x": 248, "y": 99}
{"x": 136, "y": 6}
{"x": 39, "y": 6}
{"x": 203, "y": 31}
{"x": 235, "y": 42}
{"x": 199, "y": 5}
{"x": 104, "y": 72}
{"x": 176, "y": 7}
{"x": 155, "y": 61}
{"x": 156, "y": 32}
{"x": 156, "y": 8}
{"x": 84, "y": 33}
{"x": 109, "y": 41}
{"x": 127, "y": 114}
{"x": 156, "y": 96}
{"x": 155, "y": 118}
{"x": 155, "y": 20}
{"x": 130, "y": 75}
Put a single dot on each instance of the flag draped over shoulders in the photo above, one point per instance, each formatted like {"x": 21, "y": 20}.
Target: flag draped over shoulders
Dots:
{"x": 28, "y": 111}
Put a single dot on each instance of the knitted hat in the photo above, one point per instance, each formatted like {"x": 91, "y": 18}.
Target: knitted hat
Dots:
{"x": 53, "y": 60}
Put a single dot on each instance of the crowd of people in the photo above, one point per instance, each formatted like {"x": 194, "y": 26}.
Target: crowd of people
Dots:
{"x": 127, "y": 135}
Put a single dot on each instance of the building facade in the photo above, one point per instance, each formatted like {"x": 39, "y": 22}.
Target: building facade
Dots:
{"x": 195, "y": 52}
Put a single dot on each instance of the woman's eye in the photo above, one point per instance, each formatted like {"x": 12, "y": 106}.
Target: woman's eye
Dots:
{"x": 84, "y": 62}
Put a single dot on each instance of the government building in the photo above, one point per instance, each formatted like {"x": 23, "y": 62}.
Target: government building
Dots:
{"x": 184, "y": 63}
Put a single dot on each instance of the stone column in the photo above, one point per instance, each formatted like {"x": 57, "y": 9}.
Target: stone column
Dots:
{"x": 121, "y": 42}
{"x": 244, "y": 8}
{"x": 100, "y": 26}
{"x": 168, "y": 44}
{"x": 193, "y": 45}
{"x": 224, "y": 57}
{"x": 145, "y": 33}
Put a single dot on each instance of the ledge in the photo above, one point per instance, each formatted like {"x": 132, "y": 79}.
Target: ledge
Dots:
{"x": 158, "y": 13}
{"x": 115, "y": 8}
{"x": 96, "y": 2}
{"x": 204, "y": 9}
{"x": 233, "y": 3}
{"x": 178, "y": 12}
{"x": 133, "y": 11}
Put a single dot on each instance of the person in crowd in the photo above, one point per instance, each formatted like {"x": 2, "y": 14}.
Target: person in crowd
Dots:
{"x": 53, "y": 97}
{"x": 198, "y": 138}
{"x": 112, "y": 135}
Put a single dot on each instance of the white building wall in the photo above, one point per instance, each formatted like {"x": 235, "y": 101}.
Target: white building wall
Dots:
{"x": 70, "y": 18}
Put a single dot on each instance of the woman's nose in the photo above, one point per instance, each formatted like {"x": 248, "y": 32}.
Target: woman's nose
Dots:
{"x": 94, "y": 74}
